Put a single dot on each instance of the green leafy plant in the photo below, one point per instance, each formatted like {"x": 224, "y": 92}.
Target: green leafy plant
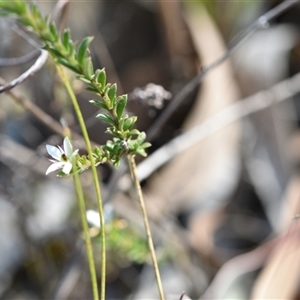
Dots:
{"x": 126, "y": 140}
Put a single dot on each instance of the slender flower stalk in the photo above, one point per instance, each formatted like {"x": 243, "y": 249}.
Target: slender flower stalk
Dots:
{"x": 132, "y": 164}
{"x": 87, "y": 237}
{"x": 94, "y": 174}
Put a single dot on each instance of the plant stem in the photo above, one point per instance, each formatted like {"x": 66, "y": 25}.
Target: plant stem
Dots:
{"x": 94, "y": 174}
{"x": 136, "y": 181}
{"x": 88, "y": 242}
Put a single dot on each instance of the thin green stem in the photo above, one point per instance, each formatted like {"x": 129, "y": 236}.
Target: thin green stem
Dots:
{"x": 136, "y": 181}
{"x": 88, "y": 242}
{"x": 94, "y": 173}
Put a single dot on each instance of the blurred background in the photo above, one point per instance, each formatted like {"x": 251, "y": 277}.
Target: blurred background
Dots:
{"x": 224, "y": 211}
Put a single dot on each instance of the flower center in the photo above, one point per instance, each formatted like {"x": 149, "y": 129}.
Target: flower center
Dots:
{"x": 64, "y": 157}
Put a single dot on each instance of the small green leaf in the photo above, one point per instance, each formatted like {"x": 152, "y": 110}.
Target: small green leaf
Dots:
{"x": 141, "y": 137}
{"x": 128, "y": 123}
{"x": 91, "y": 89}
{"x": 133, "y": 132}
{"x": 66, "y": 39}
{"x": 110, "y": 130}
{"x": 106, "y": 118}
{"x": 36, "y": 13}
{"x": 121, "y": 106}
{"x": 66, "y": 64}
{"x": 47, "y": 36}
{"x": 107, "y": 149}
{"x": 145, "y": 145}
{"x": 132, "y": 145}
{"x": 71, "y": 49}
{"x": 82, "y": 50}
{"x": 87, "y": 68}
{"x": 111, "y": 93}
{"x": 141, "y": 152}
{"x": 101, "y": 77}
{"x": 53, "y": 51}
{"x": 117, "y": 163}
{"x": 99, "y": 103}
{"x": 82, "y": 78}
{"x": 53, "y": 31}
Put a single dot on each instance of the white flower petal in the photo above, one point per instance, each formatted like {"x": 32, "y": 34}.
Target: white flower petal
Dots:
{"x": 68, "y": 148}
{"x": 55, "y": 166}
{"x": 54, "y": 152}
{"x": 93, "y": 218}
{"x": 74, "y": 153}
{"x": 67, "y": 167}
{"x": 61, "y": 149}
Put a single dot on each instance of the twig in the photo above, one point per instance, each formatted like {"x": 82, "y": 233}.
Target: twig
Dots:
{"x": 60, "y": 12}
{"x": 137, "y": 185}
{"x": 259, "y": 101}
{"x": 40, "y": 115}
{"x": 23, "y": 34}
{"x": 30, "y": 72}
{"x": 35, "y": 111}
{"x": 13, "y": 61}
{"x": 261, "y": 23}
{"x": 25, "y": 58}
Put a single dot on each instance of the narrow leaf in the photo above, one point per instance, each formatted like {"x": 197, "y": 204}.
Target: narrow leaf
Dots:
{"x": 117, "y": 163}
{"x": 121, "y": 106}
{"x": 141, "y": 137}
{"x": 134, "y": 132}
{"x": 66, "y": 64}
{"x": 141, "y": 152}
{"x": 101, "y": 78}
{"x": 87, "y": 67}
{"x": 91, "y": 89}
{"x": 66, "y": 39}
{"x": 36, "y": 13}
{"x": 82, "y": 50}
{"x": 111, "y": 93}
{"x": 145, "y": 145}
{"x": 129, "y": 123}
{"x": 106, "y": 118}
{"x": 53, "y": 31}
{"x": 98, "y": 103}
{"x": 82, "y": 78}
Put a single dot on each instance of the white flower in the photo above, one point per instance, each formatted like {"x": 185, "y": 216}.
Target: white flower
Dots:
{"x": 63, "y": 157}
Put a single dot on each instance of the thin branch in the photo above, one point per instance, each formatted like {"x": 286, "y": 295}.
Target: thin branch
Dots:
{"x": 35, "y": 111}
{"x": 14, "y": 61}
{"x": 40, "y": 115}
{"x": 261, "y": 23}
{"x": 30, "y": 72}
{"x": 24, "y": 35}
{"x": 23, "y": 59}
{"x": 132, "y": 164}
{"x": 60, "y": 12}
{"x": 259, "y": 101}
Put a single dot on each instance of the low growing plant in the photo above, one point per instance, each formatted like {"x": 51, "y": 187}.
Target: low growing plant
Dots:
{"x": 126, "y": 140}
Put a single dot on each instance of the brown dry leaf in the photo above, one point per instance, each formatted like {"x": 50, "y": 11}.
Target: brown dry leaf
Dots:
{"x": 280, "y": 277}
